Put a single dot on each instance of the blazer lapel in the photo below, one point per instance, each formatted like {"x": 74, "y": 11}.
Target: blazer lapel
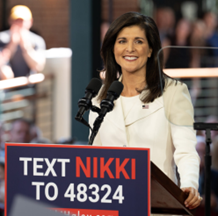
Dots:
{"x": 141, "y": 110}
{"x": 116, "y": 115}
{"x": 117, "y": 120}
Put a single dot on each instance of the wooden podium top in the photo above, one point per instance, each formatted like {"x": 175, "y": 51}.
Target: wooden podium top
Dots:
{"x": 166, "y": 196}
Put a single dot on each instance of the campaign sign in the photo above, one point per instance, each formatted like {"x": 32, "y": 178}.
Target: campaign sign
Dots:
{"x": 80, "y": 180}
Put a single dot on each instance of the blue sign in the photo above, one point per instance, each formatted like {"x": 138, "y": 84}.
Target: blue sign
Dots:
{"x": 80, "y": 180}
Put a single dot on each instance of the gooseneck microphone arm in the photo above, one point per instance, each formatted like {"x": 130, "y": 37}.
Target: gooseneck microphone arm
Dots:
{"x": 95, "y": 129}
{"x": 107, "y": 105}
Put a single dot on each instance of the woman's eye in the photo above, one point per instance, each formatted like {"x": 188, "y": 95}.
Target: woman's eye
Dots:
{"x": 139, "y": 42}
{"x": 121, "y": 41}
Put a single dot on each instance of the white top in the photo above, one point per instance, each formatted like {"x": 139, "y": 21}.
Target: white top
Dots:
{"x": 127, "y": 104}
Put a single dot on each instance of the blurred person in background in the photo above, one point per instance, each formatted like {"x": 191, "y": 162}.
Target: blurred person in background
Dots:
{"x": 165, "y": 20}
{"x": 197, "y": 39}
{"x": 182, "y": 56}
{"x": 20, "y": 131}
{"x": 214, "y": 154}
{"x": 36, "y": 135}
{"x": 212, "y": 119}
{"x": 210, "y": 20}
{"x": 198, "y": 33}
{"x": 214, "y": 144}
{"x": 200, "y": 147}
{"x": 21, "y": 51}
{"x": 175, "y": 57}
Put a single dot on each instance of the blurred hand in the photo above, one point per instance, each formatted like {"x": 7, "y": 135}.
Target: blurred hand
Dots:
{"x": 24, "y": 39}
{"x": 6, "y": 72}
{"x": 194, "y": 199}
{"x": 15, "y": 34}
{"x": 4, "y": 56}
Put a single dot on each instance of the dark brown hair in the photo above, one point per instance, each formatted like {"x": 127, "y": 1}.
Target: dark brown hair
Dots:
{"x": 154, "y": 79}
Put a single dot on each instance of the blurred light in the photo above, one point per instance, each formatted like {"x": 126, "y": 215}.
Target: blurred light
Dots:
{"x": 36, "y": 78}
{"x": 21, "y": 81}
{"x": 58, "y": 53}
{"x": 192, "y": 72}
{"x": 16, "y": 82}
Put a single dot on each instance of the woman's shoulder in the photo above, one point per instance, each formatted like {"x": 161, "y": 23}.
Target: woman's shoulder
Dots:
{"x": 173, "y": 85}
{"x": 178, "y": 104}
{"x": 175, "y": 90}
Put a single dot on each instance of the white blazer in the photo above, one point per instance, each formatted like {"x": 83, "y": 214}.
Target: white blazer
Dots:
{"x": 165, "y": 126}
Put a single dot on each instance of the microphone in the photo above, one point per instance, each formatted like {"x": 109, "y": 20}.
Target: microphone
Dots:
{"x": 85, "y": 103}
{"x": 106, "y": 105}
{"x": 113, "y": 93}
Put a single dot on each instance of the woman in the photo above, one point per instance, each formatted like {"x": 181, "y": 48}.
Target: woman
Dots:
{"x": 143, "y": 116}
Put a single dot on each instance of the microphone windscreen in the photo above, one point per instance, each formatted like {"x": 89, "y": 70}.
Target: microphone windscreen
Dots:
{"x": 94, "y": 86}
{"x": 116, "y": 88}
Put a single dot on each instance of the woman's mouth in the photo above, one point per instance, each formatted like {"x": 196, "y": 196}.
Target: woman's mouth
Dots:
{"x": 130, "y": 58}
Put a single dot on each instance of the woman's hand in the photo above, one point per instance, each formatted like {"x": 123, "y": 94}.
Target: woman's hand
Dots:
{"x": 194, "y": 199}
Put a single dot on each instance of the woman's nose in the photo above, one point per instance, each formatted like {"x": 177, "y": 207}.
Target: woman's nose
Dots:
{"x": 130, "y": 47}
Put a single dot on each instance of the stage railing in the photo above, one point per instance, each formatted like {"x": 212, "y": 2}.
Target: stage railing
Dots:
{"x": 28, "y": 97}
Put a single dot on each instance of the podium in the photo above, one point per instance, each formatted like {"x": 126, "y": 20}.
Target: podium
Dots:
{"x": 166, "y": 196}
{"x": 91, "y": 180}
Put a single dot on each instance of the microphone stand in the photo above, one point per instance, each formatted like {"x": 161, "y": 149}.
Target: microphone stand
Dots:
{"x": 106, "y": 107}
{"x": 86, "y": 107}
{"x": 207, "y": 177}
{"x": 95, "y": 129}
{"x": 207, "y": 158}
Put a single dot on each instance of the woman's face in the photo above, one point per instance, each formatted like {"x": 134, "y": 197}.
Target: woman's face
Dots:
{"x": 131, "y": 50}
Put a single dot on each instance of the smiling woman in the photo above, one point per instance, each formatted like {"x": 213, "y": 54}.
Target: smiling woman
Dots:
{"x": 145, "y": 35}
{"x": 131, "y": 51}
{"x": 140, "y": 117}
